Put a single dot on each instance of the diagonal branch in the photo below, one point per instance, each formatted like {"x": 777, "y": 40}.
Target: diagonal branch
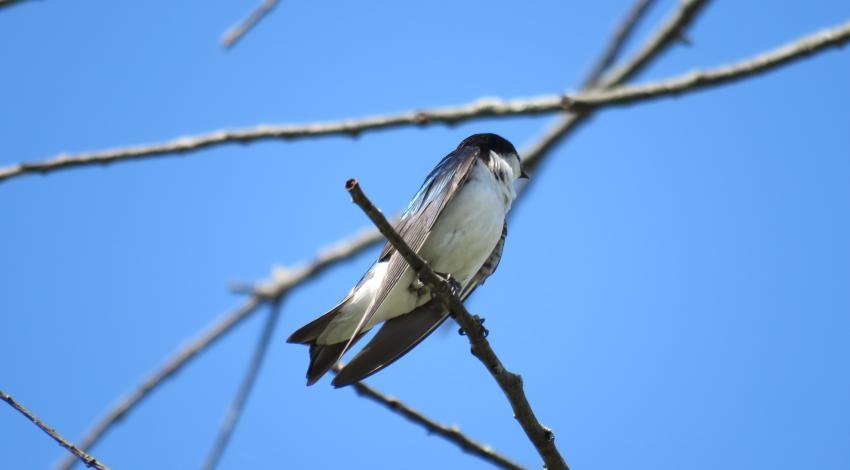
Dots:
{"x": 85, "y": 458}
{"x": 693, "y": 81}
{"x": 666, "y": 35}
{"x": 618, "y": 40}
{"x": 511, "y": 384}
{"x": 449, "y": 433}
{"x": 669, "y": 32}
{"x": 281, "y": 282}
{"x": 236, "y": 32}
{"x": 229, "y": 424}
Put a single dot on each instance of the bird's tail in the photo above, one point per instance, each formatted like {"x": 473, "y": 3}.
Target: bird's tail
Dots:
{"x": 322, "y": 356}
{"x": 308, "y": 333}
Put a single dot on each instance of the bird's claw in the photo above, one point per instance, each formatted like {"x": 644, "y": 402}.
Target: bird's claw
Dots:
{"x": 454, "y": 285}
{"x": 484, "y": 332}
{"x": 482, "y": 329}
{"x": 418, "y": 287}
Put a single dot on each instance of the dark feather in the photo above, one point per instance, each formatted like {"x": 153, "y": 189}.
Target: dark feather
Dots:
{"x": 431, "y": 195}
{"x": 308, "y": 333}
{"x": 323, "y": 357}
{"x": 398, "y": 336}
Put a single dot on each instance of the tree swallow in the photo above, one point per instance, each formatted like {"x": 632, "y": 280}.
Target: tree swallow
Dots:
{"x": 456, "y": 222}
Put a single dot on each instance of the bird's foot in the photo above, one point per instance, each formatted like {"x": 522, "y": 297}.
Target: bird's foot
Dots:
{"x": 481, "y": 329}
{"x": 418, "y": 287}
{"x": 454, "y": 285}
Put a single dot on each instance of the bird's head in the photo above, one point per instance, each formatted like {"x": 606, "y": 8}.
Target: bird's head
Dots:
{"x": 497, "y": 147}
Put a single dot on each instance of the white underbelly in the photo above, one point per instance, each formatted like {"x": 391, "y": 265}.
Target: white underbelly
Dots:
{"x": 469, "y": 227}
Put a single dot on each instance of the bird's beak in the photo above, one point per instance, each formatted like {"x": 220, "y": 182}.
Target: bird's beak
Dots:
{"x": 523, "y": 174}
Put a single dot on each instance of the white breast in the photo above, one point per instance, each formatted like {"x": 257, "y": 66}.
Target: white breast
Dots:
{"x": 470, "y": 226}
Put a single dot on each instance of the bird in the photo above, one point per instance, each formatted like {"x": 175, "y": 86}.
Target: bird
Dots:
{"x": 457, "y": 223}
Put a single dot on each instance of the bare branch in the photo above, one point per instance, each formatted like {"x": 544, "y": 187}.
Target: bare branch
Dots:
{"x": 87, "y": 459}
{"x": 670, "y": 32}
{"x": 449, "y": 115}
{"x": 580, "y": 103}
{"x": 693, "y": 81}
{"x": 449, "y": 433}
{"x": 229, "y": 424}
{"x": 281, "y": 282}
{"x": 236, "y": 32}
{"x": 485, "y": 107}
{"x": 618, "y": 40}
{"x": 511, "y": 384}
{"x": 667, "y": 34}
{"x": 171, "y": 367}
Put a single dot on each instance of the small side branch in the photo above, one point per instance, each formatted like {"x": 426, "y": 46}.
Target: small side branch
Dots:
{"x": 694, "y": 81}
{"x": 236, "y": 32}
{"x": 658, "y": 42}
{"x": 618, "y": 40}
{"x": 87, "y": 459}
{"x": 511, "y": 384}
{"x": 450, "y": 433}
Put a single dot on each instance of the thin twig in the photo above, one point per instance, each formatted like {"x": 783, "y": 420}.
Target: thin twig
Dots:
{"x": 452, "y": 434}
{"x": 85, "y": 458}
{"x": 171, "y": 367}
{"x": 696, "y": 80}
{"x": 235, "y": 411}
{"x": 618, "y": 40}
{"x": 669, "y": 32}
{"x": 511, "y": 384}
{"x": 236, "y": 32}
{"x": 268, "y": 291}
{"x": 582, "y": 103}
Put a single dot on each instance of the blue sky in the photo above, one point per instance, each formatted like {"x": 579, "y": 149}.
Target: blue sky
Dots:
{"x": 674, "y": 290}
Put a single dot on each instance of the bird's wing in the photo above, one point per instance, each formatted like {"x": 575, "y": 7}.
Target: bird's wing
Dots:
{"x": 400, "y": 334}
{"x": 415, "y": 225}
